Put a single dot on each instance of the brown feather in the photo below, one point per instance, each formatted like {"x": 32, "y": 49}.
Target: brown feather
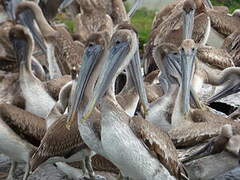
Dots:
{"x": 158, "y": 143}
{"x": 215, "y": 57}
{"x": 66, "y": 52}
{"x": 223, "y": 23}
{"x": 54, "y": 86}
{"x": 27, "y": 125}
{"x": 58, "y": 141}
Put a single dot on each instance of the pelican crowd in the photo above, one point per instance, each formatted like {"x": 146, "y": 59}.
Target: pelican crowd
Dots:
{"x": 97, "y": 106}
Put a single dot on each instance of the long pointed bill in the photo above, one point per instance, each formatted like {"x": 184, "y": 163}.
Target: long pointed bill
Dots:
{"x": 116, "y": 56}
{"x": 26, "y": 18}
{"x": 188, "y": 24}
{"x": 10, "y": 7}
{"x": 20, "y": 45}
{"x": 136, "y": 74}
{"x": 136, "y": 5}
{"x": 187, "y": 66}
{"x": 64, "y": 4}
{"x": 230, "y": 88}
{"x": 89, "y": 61}
{"x": 208, "y": 3}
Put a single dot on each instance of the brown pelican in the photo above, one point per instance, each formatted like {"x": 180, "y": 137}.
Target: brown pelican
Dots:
{"x": 21, "y": 131}
{"x": 139, "y": 132}
{"x": 93, "y": 18}
{"x": 193, "y": 125}
{"x": 60, "y": 43}
{"x": 160, "y": 110}
{"x": 171, "y": 29}
{"x": 37, "y": 95}
{"x": 68, "y": 146}
{"x": 32, "y": 88}
{"x": 25, "y": 18}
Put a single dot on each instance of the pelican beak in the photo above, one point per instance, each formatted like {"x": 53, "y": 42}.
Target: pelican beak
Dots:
{"x": 136, "y": 74}
{"x": 90, "y": 58}
{"x": 26, "y": 18}
{"x": 20, "y": 46}
{"x": 10, "y": 7}
{"x": 208, "y": 3}
{"x": 136, "y": 5}
{"x": 187, "y": 63}
{"x": 229, "y": 88}
{"x": 188, "y": 24}
{"x": 64, "y": 4}
{"x": 115, "y": 59}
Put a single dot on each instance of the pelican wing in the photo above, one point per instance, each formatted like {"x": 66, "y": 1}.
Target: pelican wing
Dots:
{"x": 218, "y": 58}
{"x": 223, "y": 23}
{"x": 23, "y": 123}
{"x": 58, "y": 141}
{"x": 158, "y": 143}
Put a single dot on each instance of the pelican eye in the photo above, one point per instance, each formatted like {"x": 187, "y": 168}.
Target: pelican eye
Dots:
{"x": 118, "y": 42}
{"x": 91, "y": 44}
{"x": 193, "y": 49}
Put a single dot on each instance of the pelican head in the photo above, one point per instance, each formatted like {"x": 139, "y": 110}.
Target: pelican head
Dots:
{"x": 122, "y": 49}
{"x": 92, "y": 62}
{"x": 22, "y": 42}
{"x": 188, "y": 52}
{"x": 189, "y": 8}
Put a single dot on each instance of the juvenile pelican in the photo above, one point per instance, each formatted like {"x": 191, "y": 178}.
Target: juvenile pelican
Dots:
{"x": 131, "y": 157}
{"x": 68, "y": 146}
{"x": 192, "y": 126}
{"x": 20, "y": 133}
{"x": 172, "y": 27}
{"x": 25, "y": 18}
{"x": 32, "y": 88}
{"x": 60, "y": 43}
{"x": 93, "y": 18}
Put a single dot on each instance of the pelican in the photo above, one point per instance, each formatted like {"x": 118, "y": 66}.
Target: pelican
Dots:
{"x": 122, "y": 49}
{"x": 21, "y": 132}
{"x": 193, "y": 125}
{"x": 8, "y": 57}
{"x": 59, "y": 144}
{"x": 24, "y": 19}
{"x": 31, "y": 86}
{"x": 60, "y": 43}
{"x": 93, "y": 18}
{"x": 171, "y": 28}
